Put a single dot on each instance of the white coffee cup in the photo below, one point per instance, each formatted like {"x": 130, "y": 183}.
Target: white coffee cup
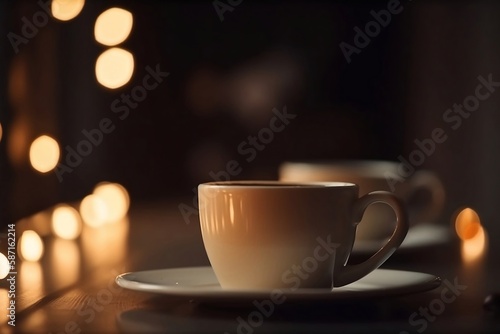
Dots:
{"x": 264, "y": 235}
{"x": 372, "y": 175}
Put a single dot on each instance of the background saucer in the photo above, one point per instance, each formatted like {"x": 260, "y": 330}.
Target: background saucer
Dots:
{"x": 419, "y": 237}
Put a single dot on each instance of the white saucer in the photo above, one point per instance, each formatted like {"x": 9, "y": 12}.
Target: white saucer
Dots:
{"x": 200, "y": 283}
{"x": 421, "y": 236}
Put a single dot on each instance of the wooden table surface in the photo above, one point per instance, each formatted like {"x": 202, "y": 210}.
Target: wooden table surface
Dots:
{"x": 72, "y": 288}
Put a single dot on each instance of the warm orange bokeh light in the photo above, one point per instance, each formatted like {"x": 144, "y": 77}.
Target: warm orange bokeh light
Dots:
{"x": 105, "y": 246}
{"x": 116, "y": 199}
{"x": 467, "y": 224}
{"x": 65, "y": 262}
{"x": 30, "y": 278}
{"x": 18, "y": 144}
{"x": 4, "y": 304}
{"x": 65, "y": 10}
{"x": 93, "y": 211}
{"x": 114, "y": 68}
{"x": 473, "y": 236}
{"x": 113, "y": 26}
{"x": 44, "y": 154}
{"x": 4, "y": 266}
{"x": 4, "y": 311}
{"x": 30, "y": 246}
{"x": 474, "y": 247}
{"x": 66, "y": 222}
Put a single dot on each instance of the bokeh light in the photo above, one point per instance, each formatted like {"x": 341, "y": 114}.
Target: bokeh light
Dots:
{"x": 1, "y": 131}
{"x": 113, "y": 26}
{"x": 467, "y": 224}
{"x": 30, "y": 279}
{"x": 30, "y": 246}
{"x": 65, "y": 264}
{"x": 105, "y": 246}
{"x": 4, "y": 312}
{"x": 114, "y": 68}
{"x": 65, "y": 10}
{"x": 4, "y": 266}
{"x": 44, "y": 154}
{"x": 474, "y": 247}
{"x": 66, "y": 222}
{"x": 116, "y": 199}
{"x": 18, "y": 144}
{"x": 4, "y": 304}
{"x": 473, "y": 236}
{"x": 93, "y": 211}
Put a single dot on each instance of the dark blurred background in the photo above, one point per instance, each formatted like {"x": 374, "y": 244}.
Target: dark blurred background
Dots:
{"x": 228, "y": 69}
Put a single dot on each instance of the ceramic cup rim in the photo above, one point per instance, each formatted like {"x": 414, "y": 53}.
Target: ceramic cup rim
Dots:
{"x": 265, "y": 184}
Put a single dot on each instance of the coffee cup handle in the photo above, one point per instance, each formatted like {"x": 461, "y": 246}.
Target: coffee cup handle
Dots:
{"x": 352, "y": 273}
